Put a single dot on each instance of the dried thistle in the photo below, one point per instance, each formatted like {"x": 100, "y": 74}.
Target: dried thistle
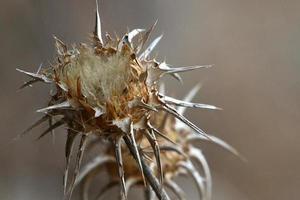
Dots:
{"x": 175, "y": 148}
{"x": 109, "y": 91}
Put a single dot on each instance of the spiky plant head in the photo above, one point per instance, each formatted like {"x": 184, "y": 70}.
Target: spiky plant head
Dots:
{"x": 178, "y": 156}
{"x": 109, "y": 90}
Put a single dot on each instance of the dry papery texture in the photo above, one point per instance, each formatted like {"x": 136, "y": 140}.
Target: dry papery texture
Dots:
{"x": 108, "y": 94}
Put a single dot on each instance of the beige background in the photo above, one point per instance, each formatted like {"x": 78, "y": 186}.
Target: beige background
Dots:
{"x": 255, "y": 46}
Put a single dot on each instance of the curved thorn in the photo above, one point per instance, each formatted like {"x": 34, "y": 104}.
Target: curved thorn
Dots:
{"x": 85, "y": 186}
{"x": 92, "y": 165}
{"x": 198, "y": 156}
{"x": 176, "y": 189}
{"x": 134, "y": 33}
{"x": 189, "y": 167}
{"x": 105, "y": 189}
{"x": 217, "y": 141}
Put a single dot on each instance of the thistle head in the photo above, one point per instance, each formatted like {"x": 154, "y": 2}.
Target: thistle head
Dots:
{"x": 109, "y": 90}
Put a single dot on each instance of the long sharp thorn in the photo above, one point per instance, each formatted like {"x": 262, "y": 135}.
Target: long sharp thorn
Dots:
{"x": 173, "y": 112}
{"x": 68, "y": 150}
{"x": 175, "y": 189}
{"x": 165, "y": 69}
{"x": 30, "y": 74}
{"x": 29, "y": 83}
{"x": 154, "y": 144}
{"x": 98, "y": 24}
{"x": 189, "y": 97}
{"x": 41, "y": 120}
{"x": 145, "y": 38}
{"x": 54, "y": 126}
{"x": 40, "y": 68}
{"x": 177, "y": 102}
{"x": 69, "y": 143}
{"x": 177, "y": 77}
{"x": 189, "y": 167}
{"x": 137, "y": 153}
{"x": 159, "y": 191}
{"x": 198, "y": 156}
{"x": 40, "y": 77}
{"x": 160, "y": 134}
{"x": 77, "y": 166}
{"x": 65, "y": 104}
{"x": 150, "y": 48}
{"x": 168, "y": 69}
{"x": 118, "y": 154}
{"x": 60, "y": 46}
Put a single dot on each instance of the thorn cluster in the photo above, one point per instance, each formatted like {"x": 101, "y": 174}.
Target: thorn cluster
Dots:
{"x": 107, "y": 93}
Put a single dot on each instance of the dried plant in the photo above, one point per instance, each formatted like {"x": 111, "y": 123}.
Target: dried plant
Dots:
{"x": 108, "y": 94}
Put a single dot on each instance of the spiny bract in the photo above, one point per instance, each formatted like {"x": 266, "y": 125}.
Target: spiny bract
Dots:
{"x": 108, "y": 91}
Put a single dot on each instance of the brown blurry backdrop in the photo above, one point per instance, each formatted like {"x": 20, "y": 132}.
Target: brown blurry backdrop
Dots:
{"x": 255, "y": 46}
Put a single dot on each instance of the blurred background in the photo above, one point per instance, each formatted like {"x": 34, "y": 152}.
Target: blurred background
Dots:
{"x": 255, "y": 46}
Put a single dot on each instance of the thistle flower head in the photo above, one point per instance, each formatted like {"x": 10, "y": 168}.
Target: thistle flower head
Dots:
{"x": 109, "y": 91}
